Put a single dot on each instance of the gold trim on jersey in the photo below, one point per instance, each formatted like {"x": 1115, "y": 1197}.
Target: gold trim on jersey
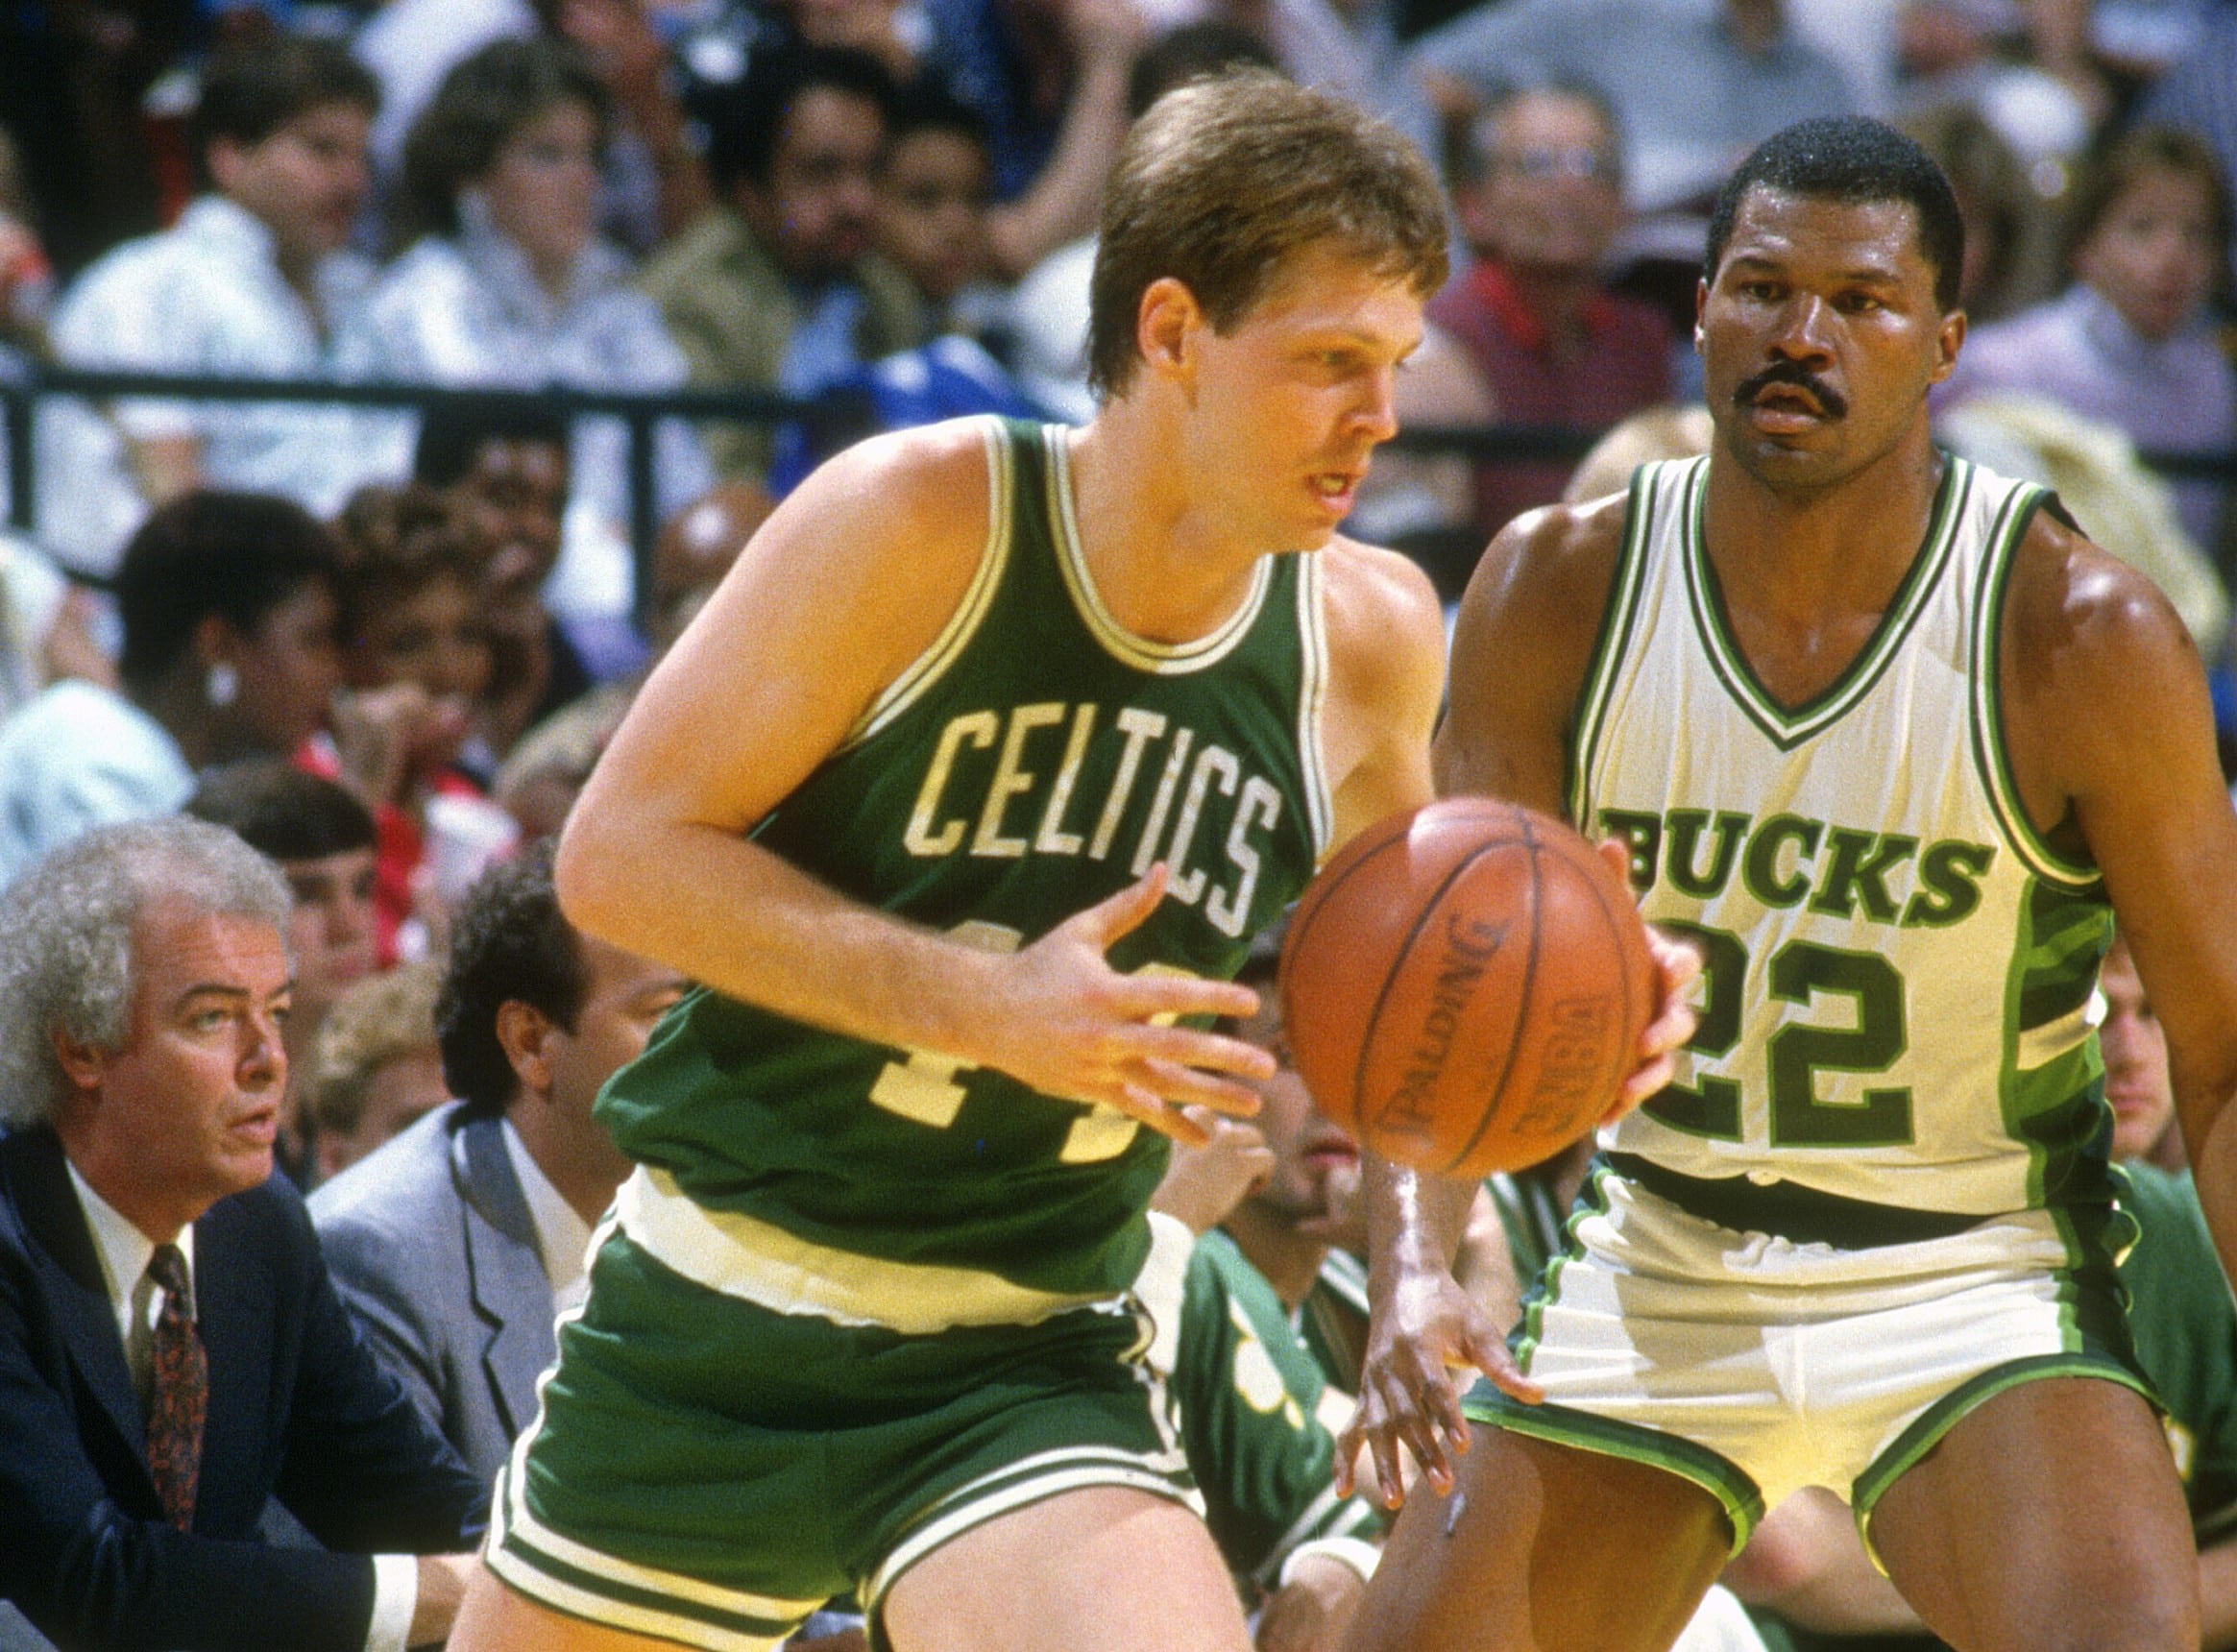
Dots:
{"x": 760, "y": 1263}
{"x": 926, "y": 669}
{"x": 1312, "y": 702}
{"x": 1164, "y": 659}
{"x": 2040, "y": 1046}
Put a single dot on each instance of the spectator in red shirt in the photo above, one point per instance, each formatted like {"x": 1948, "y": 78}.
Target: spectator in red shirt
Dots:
{"x": 1540, "y": 199}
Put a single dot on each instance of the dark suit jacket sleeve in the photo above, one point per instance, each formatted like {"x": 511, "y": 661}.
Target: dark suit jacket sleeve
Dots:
{"x": 297, "y": 1404}
{"x": 90, "y": 1575}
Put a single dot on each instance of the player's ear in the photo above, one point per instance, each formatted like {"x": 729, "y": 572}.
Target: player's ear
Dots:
{"x": 1165, "y": 327}
{"x": 1948, "y": 341}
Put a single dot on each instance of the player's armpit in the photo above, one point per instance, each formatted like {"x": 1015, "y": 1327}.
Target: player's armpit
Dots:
{"x": 1520, "y": 648}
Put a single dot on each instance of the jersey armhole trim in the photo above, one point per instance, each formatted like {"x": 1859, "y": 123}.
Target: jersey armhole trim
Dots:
{"x": 963, "y": 625}
{"x": 1312, "y": 703}
{"x": 1991, "y": 755}
{"x": 1612, "y": 643}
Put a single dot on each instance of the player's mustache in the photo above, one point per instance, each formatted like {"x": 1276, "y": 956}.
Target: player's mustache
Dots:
{"x": 1801, "y": 378}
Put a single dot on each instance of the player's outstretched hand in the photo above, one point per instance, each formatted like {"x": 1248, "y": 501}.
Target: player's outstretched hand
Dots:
{"x": 1677, "y": 965}
{"x": 1068, "y": 1024}
{"x": 1408, "y": 1399}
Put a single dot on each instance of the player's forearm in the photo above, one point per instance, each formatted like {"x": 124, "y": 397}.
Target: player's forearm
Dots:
{"x": 2210, "y": 1141}
{"x": 1415, "y": 1223}
{"x": 2218, "y": 1597}
{"x": 748, "y": 923}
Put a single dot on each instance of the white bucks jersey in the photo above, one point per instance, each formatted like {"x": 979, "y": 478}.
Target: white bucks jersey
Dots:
{"x": 1898, "y": 966}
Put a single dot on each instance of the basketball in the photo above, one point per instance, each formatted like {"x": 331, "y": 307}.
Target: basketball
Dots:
{"x": 1464, "y": 987}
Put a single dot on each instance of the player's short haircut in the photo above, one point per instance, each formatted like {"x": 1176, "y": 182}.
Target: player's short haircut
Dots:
{"x": 2144, "y": 149}
{"x": 510, "y": 941}
{"x": 235, "y": 555}
{"x": 250, "y": 91}
{"x": 382, "y": 1019}
{"x": 1857, "y": 162}
{"x": 455, "y": 429}
{"x": 745, "y": 118}
{"x": 1227, "y": 181}
{"x": 282, "y": 811}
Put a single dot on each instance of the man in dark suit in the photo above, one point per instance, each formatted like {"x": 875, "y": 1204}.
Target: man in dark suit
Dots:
{"x": 456, "y": 1243}
{"x": 172, "y": 1353}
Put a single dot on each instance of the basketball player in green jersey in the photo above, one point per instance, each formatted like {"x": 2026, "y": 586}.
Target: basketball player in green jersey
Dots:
{"x": 979, "y": 769}
{"x": 1888, "y": 739}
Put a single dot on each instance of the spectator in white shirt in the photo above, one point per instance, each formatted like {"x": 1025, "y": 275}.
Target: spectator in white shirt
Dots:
{"x": 506, "y": 282}
{"x": 251, "y": 282}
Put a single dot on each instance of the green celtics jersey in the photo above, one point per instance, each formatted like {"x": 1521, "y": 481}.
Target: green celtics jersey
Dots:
{"x": 1898, "y": 964}
{"x": 1259, "y": 1419}
{"x": 1037, "y": 758}
{"x": 2185, "y": 1327}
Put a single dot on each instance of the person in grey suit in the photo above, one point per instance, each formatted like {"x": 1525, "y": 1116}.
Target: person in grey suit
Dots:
{"x": 456, "y": 1244}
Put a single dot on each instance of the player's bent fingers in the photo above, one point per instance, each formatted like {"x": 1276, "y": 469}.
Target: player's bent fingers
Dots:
{"x": 1185, "y": 1088}
{"x": 1146, "y": 1106}
{"x": 1207, "y": 1051}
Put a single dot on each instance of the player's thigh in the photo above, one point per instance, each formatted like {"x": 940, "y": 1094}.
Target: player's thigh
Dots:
{"x": 1105, "y": 1568}
{"x": 495, "y": 1618}
{"x": 2048, "y": 1519}
{"x": 1543, "y": 1547}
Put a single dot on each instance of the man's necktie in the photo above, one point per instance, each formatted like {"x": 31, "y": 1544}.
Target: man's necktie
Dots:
{"x": 177, "y": 1391}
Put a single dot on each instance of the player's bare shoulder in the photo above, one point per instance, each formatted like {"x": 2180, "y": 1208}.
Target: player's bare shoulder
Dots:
{"x": 1384, "y": 625}
{"x": 2091, "y": 657}
{"x": 1521, "y": 646}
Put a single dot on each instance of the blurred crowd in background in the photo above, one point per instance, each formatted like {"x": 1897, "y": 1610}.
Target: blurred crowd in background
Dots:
{"x": 890, "y": 204}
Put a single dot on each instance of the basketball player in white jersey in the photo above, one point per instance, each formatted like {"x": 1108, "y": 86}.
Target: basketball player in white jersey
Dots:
{"x": 1888, "y": 738}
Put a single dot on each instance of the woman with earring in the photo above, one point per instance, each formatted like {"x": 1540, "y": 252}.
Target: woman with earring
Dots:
{"x": 504, "y": 281}
{"x": 227, "y": 605}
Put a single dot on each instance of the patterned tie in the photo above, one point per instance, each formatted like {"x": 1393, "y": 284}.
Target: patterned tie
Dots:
{"x": 179, "y": 1392}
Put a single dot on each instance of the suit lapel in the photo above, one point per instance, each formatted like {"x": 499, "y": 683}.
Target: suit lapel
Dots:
{"x": 236, "y": 1291}
{"x": 70, "y": 1274}
{"x": 504, "y": 1270}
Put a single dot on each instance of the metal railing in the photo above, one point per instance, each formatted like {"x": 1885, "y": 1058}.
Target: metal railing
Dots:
{"x": 844, "y": 413}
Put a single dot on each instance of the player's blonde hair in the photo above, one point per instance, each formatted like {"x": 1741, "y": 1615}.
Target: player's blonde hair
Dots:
{"x": 1226, "y": 181}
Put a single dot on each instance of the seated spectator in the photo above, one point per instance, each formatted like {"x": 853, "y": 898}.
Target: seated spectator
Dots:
{"x": 47, "y": 626}
{"x": 251, "y": 282}
{"x": 456, "y": 1243}
{"x": 418, "y": 661}
{"x": 227, "y": 603}
{"x": 27, "y": 280}
{"x": 932, "y": 210}
{"x": 508, "y": 468}
{"x": 171, "y": 1352}
{"x": 1693, "y": 87}
{"x": 2131, "y": 343}
{"x": 778, "y": 287}
{"x": 322, "y": 838}
{"x": 376, "y": 1070}
{"x": 1541, "y": 200}
{"x": 504, "y": 281}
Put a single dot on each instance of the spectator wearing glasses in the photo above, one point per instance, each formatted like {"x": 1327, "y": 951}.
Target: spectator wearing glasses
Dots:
{"x": 1540, "y": 198}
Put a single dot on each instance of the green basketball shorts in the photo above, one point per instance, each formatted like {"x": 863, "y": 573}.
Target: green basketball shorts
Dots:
{"x": 710, "y": 1471}
{"x": 1755, "y": 1363}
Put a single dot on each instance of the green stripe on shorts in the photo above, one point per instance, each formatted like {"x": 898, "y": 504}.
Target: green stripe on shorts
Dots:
{"x": 1562, "y": 1425}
